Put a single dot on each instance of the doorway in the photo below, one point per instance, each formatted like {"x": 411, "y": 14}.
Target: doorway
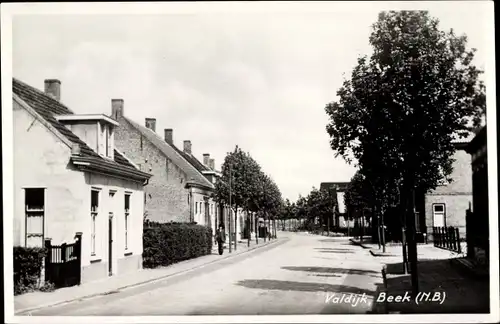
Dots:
{"x": 438, "y": 215}
{"x": 110, "y": 232}
{"x": 110, "y": 244}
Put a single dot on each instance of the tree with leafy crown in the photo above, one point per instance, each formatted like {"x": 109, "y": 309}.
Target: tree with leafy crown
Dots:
{"x": 404, "y": 105}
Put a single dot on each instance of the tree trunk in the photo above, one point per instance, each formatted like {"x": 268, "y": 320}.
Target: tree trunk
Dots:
{"x": 377, "y": 217}
{"x": 235, "y": 227}
{"x": 256, "y": 229}
{"x": 382, "y": 212}
{"x": 249, "y": 230}
{"x": 230, "y": 220}
{"x": 410, "y": 225}
{"x": 328, "y": 226}
{"x": 265, "y": 228}
{"x": 362, "y": 225}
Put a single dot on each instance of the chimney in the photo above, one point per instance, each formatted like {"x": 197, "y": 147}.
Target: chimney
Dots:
{"x": 116, "y": 108}
{"x": 53, "y": 88}
{"x": 151, "y": 124}
{"x": 187, "y": 147}
{"x": 211, "y": 164}
{"x": 169, "y": 135}
{"x": 206, "y": 159}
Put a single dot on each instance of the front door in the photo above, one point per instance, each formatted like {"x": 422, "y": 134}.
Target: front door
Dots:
{"x": 110, "y": 245}
{"x": 438, "y": 213}
{"x": 207, "y": 214}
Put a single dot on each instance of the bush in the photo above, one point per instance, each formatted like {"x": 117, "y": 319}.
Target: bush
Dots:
{"x": 168, "y": 243}
{"x": 28, "y": 263}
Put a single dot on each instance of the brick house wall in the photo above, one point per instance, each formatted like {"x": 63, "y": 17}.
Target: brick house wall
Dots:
{"x": 166, "y": 196}
{"x": 455, "y": 196}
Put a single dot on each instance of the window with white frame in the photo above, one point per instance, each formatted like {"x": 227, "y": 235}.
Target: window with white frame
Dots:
{"x": 101, "y": 139}
{"x": 94, "y": 212}
{"x": 196, "y": 207}
{"x": 35, "y": 211}
{"x": 107, "y": 139}
{"x": 439, "y": 215}
{"x": 127, "y": 219}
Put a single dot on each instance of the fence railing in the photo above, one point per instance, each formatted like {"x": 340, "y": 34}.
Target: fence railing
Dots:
{"x": 447, "y": 238}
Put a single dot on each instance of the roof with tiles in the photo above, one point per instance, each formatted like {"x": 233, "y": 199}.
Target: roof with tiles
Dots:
{"x": 182, "y": 160}
{"x": 48, "y": 107}
{"x": 192, "y": 159}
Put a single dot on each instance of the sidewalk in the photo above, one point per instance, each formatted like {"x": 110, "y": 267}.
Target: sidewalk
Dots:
{"x": 425, "y": 251}
{"x": 437, "y": 273}
{"x": 36, "y": 300}
{"x": 459, "y": 293}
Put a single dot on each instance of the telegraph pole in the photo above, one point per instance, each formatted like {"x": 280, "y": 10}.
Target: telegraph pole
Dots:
{"x": 230, "y": 211}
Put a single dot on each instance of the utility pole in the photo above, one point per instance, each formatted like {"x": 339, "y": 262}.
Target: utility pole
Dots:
{"x": 249, "y": 232}
{"x": 230, "y": 210}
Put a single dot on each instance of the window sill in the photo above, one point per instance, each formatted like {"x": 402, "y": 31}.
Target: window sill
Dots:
{"x": 128, "y": 253}
{"x": 95, "y": 260}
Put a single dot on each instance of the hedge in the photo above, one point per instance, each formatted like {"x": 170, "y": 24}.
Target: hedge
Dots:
{"x": 28, "y": 262}
{"x": 168, "y": 243}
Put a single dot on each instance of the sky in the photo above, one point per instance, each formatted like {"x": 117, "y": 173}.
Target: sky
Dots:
{"x": 259, "y": 79}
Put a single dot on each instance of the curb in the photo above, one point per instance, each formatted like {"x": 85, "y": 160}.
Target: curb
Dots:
{"x": 90, "y": 296}
{"x": 359, "y": 244}
{"x": 467, "y": 267}
{"x": 381, "y": 254}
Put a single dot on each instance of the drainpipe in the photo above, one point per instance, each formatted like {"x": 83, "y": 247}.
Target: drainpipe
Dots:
{"x": 191, "y": 217}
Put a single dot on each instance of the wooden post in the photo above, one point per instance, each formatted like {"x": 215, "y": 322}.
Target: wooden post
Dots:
{"x": 78, "y": 254}
{"x": 48, "y": 259}
{"x": 459, "y": 248}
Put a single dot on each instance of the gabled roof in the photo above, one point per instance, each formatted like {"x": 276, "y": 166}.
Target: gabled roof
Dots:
{"x": 48, "y": 108}
{"x": 174, "y": 154}
{"x": 340, "y": 186}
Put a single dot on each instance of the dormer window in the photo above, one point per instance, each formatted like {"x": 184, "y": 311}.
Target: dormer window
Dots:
{"x": 109, "y": 141}
{"x": 97, "y": 131}
{"x": 106, "y": 140}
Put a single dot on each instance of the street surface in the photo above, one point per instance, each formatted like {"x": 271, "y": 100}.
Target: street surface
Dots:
{"x": 306, "y": 274}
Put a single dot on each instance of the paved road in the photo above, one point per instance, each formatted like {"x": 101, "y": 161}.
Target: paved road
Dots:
{"x": 292, "y": 278}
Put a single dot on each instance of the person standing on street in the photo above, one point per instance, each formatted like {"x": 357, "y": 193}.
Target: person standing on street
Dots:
{"x": 220, "y": 237}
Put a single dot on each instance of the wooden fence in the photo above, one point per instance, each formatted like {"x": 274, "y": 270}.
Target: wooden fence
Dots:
{"x": 447, "y": 238}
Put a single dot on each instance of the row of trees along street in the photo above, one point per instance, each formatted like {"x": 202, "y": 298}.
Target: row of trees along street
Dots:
{"x": 245, "y": 186}
{"x": 396, "y": 116}
{"x": 315, "y": 212}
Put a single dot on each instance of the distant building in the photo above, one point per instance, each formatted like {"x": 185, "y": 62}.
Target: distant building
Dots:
{"x": 447, "y": 204}
{"x": 340, "y": 189}
{"x": 70, "y": 181}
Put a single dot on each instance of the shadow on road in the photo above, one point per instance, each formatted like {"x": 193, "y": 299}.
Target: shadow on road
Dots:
{"x": 338, "y": 251}
{"x": 334, "y": 270}
{"x": 326, "y": 275}
{"x": 333, "y": 249}
{"x": 332, "y": 240}
{"x": 301, "y": 286}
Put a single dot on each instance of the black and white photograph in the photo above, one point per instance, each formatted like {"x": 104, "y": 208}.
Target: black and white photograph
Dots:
{"x": 244, "y": 162}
